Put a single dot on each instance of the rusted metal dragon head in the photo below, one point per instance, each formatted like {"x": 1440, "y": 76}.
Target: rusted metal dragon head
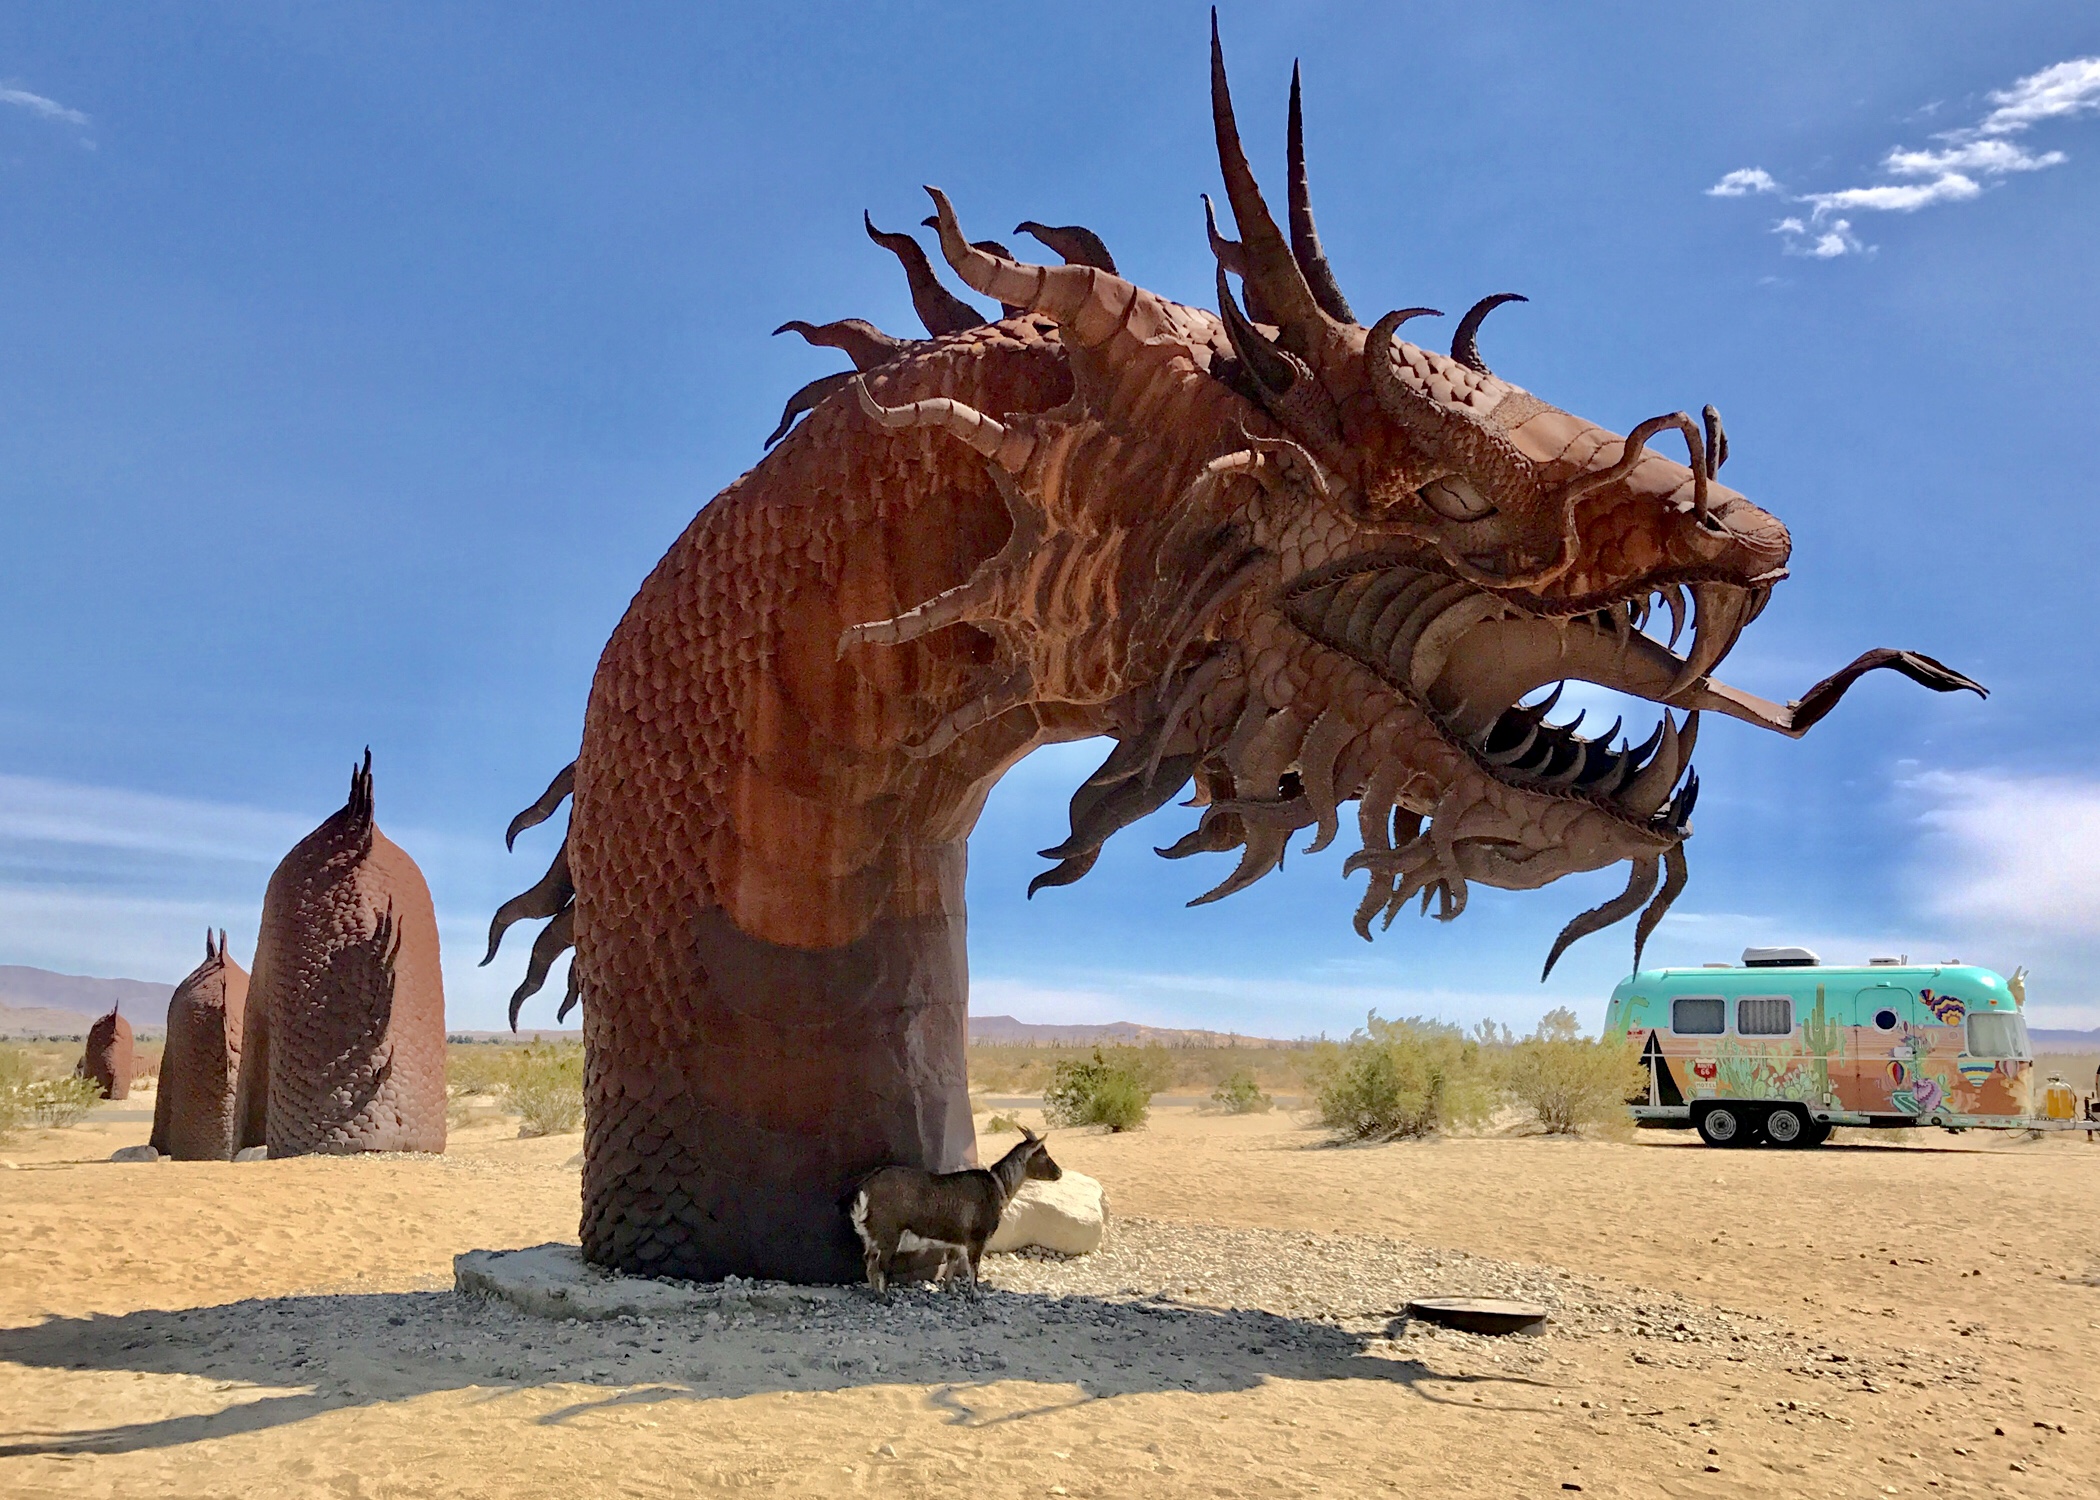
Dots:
{"x": 1352, "y": 562}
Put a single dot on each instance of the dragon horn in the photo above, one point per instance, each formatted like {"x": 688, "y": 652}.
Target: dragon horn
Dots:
{"x": 1271, "y": 268}
{"x": 1089, "y": 305}
{"x": 1465, "y": 343}
{"x": 1305, "y": 238}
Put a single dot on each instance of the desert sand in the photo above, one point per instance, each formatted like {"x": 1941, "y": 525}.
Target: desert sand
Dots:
{"x": 1888, "y": 1315}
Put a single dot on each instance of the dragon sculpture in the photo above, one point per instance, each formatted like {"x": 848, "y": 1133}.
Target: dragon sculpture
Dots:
{"x": 1294, "y": 560}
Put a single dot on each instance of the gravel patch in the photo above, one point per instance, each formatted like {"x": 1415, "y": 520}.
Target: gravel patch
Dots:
{"x": 1160, "y": 1307}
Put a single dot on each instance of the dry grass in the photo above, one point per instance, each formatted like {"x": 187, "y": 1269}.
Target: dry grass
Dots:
{"x": 1022, "y": 1068}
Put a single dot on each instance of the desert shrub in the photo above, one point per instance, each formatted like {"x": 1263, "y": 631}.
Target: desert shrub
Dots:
{"x": 1001, "y": 1125}
{"x": 477, "y": 1068}
{"x": 1568, "y": 1081}
{"x": 54, "y": 1103}
{"x": 1114, "y": 1087}
{"x": 1394, "y": 1080}
{"x": 546, "y": 1086}
{"x": 16, "y": 1071}
{"x": 1239, "y": 1094}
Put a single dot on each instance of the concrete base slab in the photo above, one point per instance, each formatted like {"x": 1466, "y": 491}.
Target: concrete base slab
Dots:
{"x": 554, "y": 1281}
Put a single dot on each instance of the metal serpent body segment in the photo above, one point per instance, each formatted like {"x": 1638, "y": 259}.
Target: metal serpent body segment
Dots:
{"x": 1295, "y": 561}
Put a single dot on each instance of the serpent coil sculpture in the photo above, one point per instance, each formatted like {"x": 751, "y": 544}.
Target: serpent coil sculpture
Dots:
{"x": 107, "y": 1061}
{"x": 193, "y": 1105}
{"x": 1297, "y": 561}
{"x": 343, "y": 1042}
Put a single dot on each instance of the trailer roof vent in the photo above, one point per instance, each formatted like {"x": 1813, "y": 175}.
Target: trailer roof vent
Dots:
{"x": 1890, "y": 963}
{"x": 1779, "y": 958}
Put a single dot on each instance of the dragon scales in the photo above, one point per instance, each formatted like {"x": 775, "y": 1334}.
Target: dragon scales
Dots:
{"x": 1293, "y": 560}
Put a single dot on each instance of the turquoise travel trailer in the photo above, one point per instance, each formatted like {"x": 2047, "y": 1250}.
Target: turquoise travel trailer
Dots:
{"x": 1781, "y": 1049}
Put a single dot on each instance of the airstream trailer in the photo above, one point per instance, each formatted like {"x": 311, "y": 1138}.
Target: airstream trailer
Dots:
{"x": 1782, "y": 1049}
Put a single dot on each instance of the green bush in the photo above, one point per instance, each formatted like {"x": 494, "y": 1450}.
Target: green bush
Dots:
{"x": 55, "y": 1103}
{"x": 1114, "y": 1087}
{"x": 1001, "y": 1125}
{"x": 546, "y": 1086}
{"x": 1239, "y": 1094}
{"x": 1396, "y": 1080}
{"x": 1568, "y": 1081}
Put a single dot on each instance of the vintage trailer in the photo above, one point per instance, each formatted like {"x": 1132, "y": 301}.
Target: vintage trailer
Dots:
{"x": 1782, "y": 1049}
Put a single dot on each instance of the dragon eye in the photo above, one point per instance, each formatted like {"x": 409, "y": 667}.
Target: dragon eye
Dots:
{"x": 1455, "y": 500}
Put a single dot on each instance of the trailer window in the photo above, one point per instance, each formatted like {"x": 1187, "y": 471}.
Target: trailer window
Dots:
{"x": 1698, "y": 1015}
{"x": 1997, "y": 1033}
{"x": 1764, "y": 1015}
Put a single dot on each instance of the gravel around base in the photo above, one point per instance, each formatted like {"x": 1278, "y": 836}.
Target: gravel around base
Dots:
{"x": 1160, "y": 1307}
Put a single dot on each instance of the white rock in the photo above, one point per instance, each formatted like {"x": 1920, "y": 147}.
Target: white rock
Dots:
{"x": 1068, "y": 1216}
{"x": 134, "y": 1153}
{"x": 252, "y": 1153}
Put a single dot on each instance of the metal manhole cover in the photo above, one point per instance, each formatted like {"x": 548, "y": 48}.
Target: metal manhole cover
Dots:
{"x": 1480, "y": 1314}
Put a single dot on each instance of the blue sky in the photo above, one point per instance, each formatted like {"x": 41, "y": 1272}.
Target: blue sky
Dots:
{"x": 357, "y": 361}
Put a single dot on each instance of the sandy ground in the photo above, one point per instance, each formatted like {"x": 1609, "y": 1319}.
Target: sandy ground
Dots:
{"x": 1883, "y": 1316}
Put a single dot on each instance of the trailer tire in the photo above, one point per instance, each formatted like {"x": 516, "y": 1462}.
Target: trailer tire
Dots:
{"x": 1726, "y": 1125}
{"x": 1788, "y": 1126}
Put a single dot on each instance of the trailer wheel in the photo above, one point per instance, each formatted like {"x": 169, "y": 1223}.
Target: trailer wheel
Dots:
{"x": 1725, "y": 1125}
{"x": 1789, "y": 1125}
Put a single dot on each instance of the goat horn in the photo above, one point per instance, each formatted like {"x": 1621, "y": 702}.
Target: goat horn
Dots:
{"x": 1305, "y": 238}
{"x": 1465, "y": 343}
{"x": 938, "y": 308}
{"x": 1270, "y": 264}
{"x": 1076, "y": 244}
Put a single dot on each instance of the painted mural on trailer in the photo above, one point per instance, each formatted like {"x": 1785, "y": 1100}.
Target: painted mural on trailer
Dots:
{"x": 1928, "y": 1043}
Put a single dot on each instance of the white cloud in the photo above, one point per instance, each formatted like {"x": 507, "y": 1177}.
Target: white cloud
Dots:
{"x": 37, "y": 104}
{"x": 1991, "y": 156}
{"x": 1953, "y": 172}
{"x": 1901, "y": 198}
{"x": 1825, "y": 242}
{"x": 2056, "y": 92}
{"x": 34, "y": 810}
{"x": 1742, "y": 182}
{"x": 2018, "y": 852}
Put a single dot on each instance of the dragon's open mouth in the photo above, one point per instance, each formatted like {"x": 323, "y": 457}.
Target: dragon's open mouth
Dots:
{"x": 1468, "y": 658}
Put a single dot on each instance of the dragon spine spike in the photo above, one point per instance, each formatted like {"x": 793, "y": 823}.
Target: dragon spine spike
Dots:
{"x": 940, "y": 310}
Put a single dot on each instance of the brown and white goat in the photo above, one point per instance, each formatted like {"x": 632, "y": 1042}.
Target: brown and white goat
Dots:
{"x": 899, "y": 1210}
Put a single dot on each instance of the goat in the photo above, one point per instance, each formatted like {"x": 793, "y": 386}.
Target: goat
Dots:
{"x": 897, "y": 1210}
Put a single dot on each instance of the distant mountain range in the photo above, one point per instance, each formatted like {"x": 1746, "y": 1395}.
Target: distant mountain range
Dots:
{"x": 39, "y": 1002}
{"x": 1005, "y": 1029}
